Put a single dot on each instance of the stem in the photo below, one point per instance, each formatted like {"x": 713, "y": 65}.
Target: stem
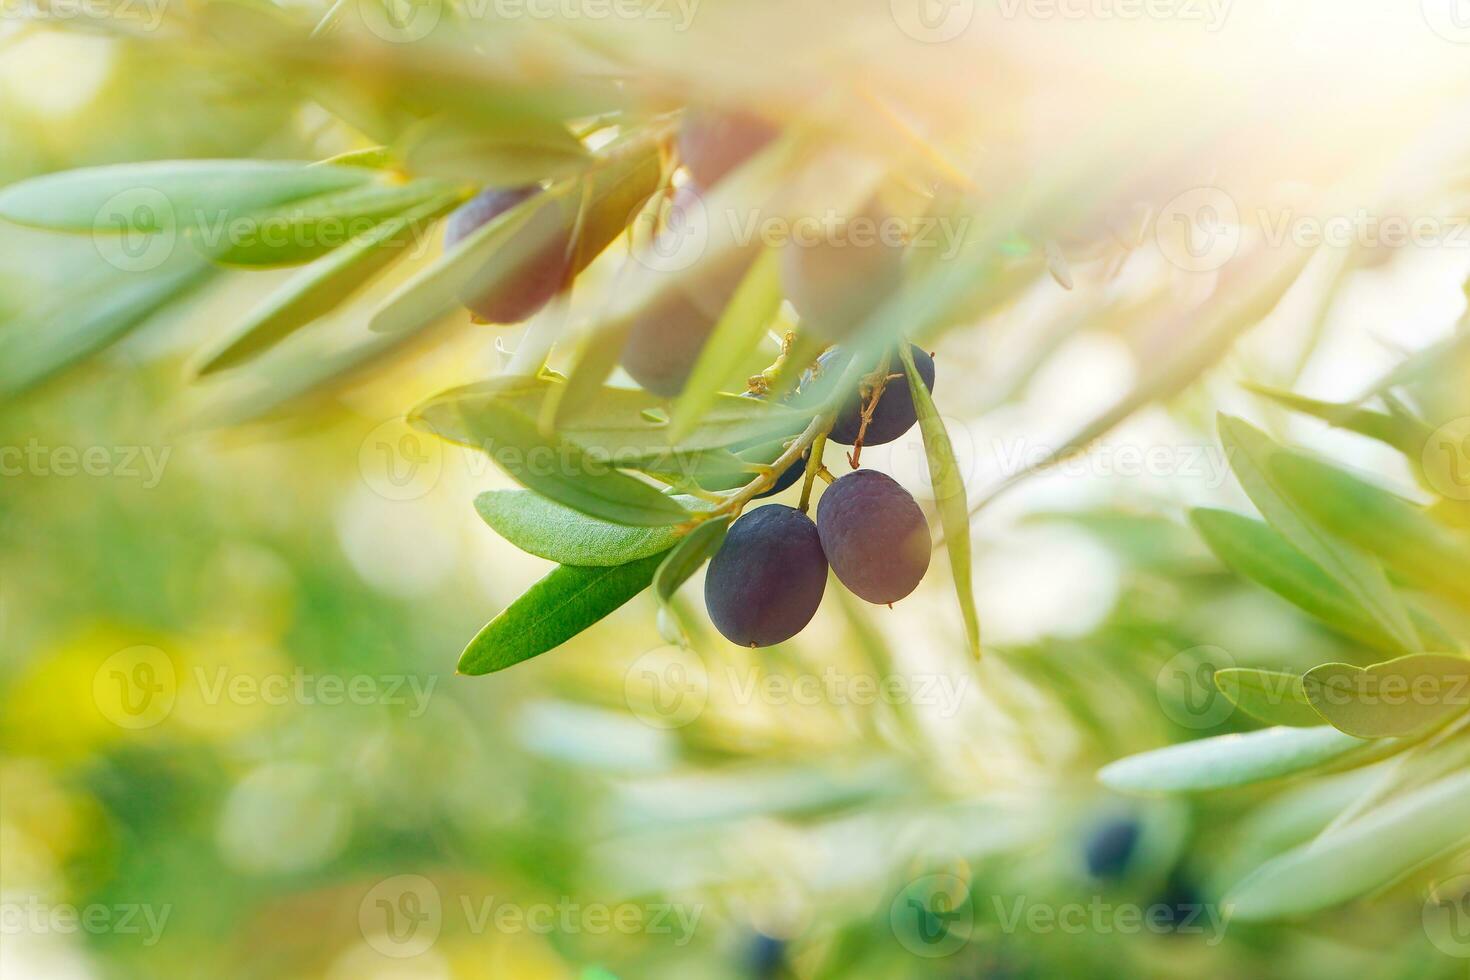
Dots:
{"x": 813, "y": 467}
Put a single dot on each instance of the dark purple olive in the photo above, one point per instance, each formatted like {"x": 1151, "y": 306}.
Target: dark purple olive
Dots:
{"x": 539, "y": 276}
{"x": 874, "y": 535}
{"x": 712, "y": 143}
{"x": 766, "y": 582}
{"x": 664, "y": 342}
{"x": 894, "y": 414}
{"x": 835, "y": 283}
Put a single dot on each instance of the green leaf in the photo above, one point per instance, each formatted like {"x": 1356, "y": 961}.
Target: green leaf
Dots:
{"x": 698, "y": 547}
{"x": 1272, "y": 696}
{"x": 554, "y": 467}
{"x": 320, "y": 287}
{"x": 1399, "y": 698}
{"x": 949, "y": 493}
{"x": 41, "y": 344}
{"x": 300, "y": 231}
{"x": 1381, "y": 523}
{"x": 529, "y": 152}
{"x": 1251, "y": 452}
{"x": 740, "y": 328}
{"x": 1367, "y": 854}
{"x": 554, "y": 610}
{"x": 1236, "y": 760}
{"x": 1254, "y": 550}
{"x": 622, "y": 424}
{"x": 1405, "y": 434}
{"x": 548, "y": 530}
{"x": 150, "y": 197}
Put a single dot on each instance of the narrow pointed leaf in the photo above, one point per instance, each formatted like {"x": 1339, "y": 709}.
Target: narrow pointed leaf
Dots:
{"x": 1272, "y": 696}
{"x": 548, "y": 530}
{"x": 1251, "y": 452}
{"x": 554, "y": 610}
{"x": 949, "y": 493}
{"x": 740, "y": 328}
{"x": 321, "y": 286}
{"x": 150, "y": 197}
{"x": 1382, "y": 523}
{"x": 1237, "y": 760}
{"x": 1367, "y": 854}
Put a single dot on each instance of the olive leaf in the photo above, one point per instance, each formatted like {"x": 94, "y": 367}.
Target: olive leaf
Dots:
{"x": 740, "y": 328}
{"x": 949, "y": 492}
{"x": 303, "y": 230}
{"x": 622, "y": 424}
{"x": 1251, "y": 453}
{"x": 1239, "y": 760}
{"x": 554, "y": 467}
{"x": 697, "y": 547}
{"x": 548, "y": 530}
{"x": 47, "y": 340}
{"x": 1272, "y": 696}
{"x": 1395, "y": 699}
{"x": 1402, "y": 432}
{"x": 564, "y": 603}
{"x": 321, "y": 286}
{"x": 155, "y": 197}
{"x": 1381, "y": 523}
{"x": 1252, "y": 549}
{"x": 1369, "y": 853}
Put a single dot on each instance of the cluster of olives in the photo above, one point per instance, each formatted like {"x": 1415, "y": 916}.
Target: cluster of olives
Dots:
{"x": 768, "y": 578}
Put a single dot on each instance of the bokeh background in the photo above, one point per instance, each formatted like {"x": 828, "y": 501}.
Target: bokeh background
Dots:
{"x": 234, "y": 744}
